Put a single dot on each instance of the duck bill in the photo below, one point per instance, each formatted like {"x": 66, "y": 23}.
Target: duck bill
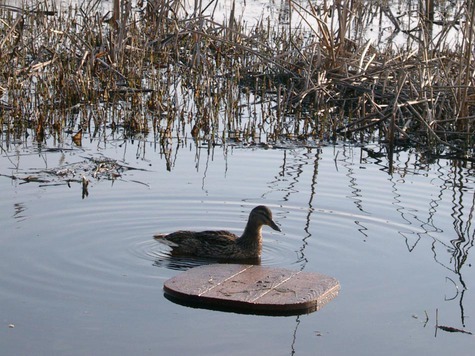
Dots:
{"x": 273, "y": 225}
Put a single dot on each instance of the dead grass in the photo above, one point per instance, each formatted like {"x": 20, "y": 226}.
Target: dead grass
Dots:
{"x": 168, "y": 71}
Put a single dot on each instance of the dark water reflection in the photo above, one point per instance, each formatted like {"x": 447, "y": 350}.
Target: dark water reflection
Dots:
{"x": 85, "y": 276}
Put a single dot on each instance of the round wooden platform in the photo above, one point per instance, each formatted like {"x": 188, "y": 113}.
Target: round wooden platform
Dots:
{"x": 252, "y": 289}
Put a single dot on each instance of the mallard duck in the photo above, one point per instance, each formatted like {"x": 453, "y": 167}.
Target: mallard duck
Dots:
{"x": 223, "y": 244}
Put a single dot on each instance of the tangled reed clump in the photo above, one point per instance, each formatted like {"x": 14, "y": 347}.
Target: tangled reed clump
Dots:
{"x": 157, "y": 68}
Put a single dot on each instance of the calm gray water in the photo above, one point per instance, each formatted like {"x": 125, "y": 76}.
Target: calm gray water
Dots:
{"x": 84, "y": 276}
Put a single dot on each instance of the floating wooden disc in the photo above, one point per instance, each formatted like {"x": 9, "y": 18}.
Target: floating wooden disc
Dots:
{"x": 252, "y": 289}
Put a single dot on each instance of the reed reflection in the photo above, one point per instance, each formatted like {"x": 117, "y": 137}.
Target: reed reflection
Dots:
{"x": 424, "y": 214}
{"x": 19, "y": 213}
{"x": 291, "y": 176}
{"x": 452, "y": 183}
{"x": 465, "y": 233}
{"x": 355, "y": 189}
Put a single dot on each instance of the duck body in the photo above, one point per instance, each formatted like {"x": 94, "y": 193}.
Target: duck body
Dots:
{"x": 223, "y": 244}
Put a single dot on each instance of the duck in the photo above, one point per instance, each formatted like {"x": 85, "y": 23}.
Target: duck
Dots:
{"x": 223, "y": 245}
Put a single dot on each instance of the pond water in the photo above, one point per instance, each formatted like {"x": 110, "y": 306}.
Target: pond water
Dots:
{"x": 82, "y": 275}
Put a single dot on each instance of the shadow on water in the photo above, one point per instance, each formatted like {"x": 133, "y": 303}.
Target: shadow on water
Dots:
{"x": 227, "y": 309}
{"x": 183, "y": 263}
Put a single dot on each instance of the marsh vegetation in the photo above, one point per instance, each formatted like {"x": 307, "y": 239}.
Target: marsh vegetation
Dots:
{"x": 165, "y": 69}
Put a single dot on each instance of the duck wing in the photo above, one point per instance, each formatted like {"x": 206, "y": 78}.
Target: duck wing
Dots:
{"x": 204, "y": 243}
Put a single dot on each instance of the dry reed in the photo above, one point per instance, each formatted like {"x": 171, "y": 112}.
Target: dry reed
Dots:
{"x": 167, "y": 70}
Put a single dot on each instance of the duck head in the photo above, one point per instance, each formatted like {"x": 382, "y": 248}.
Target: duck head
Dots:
{"x": 261, "y": 215}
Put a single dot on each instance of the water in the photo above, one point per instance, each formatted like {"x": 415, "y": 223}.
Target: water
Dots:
{"x": 84, "y": 276}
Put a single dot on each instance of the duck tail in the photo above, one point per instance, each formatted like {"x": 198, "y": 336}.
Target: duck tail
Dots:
{"x": 162, "y": 238}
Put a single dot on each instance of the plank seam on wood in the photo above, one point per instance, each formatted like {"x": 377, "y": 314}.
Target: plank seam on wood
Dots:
{"x": 275, "y": 287}
{"x": 224, "y": 280}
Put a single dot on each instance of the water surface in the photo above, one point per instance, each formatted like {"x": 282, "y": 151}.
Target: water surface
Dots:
{"x": 84, "y": 276}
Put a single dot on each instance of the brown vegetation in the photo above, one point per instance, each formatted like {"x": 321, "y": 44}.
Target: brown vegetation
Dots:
{"x": 165, "y": 70}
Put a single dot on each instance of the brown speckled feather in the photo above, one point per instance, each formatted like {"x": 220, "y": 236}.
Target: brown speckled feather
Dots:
{"x": 223, "y": 244}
